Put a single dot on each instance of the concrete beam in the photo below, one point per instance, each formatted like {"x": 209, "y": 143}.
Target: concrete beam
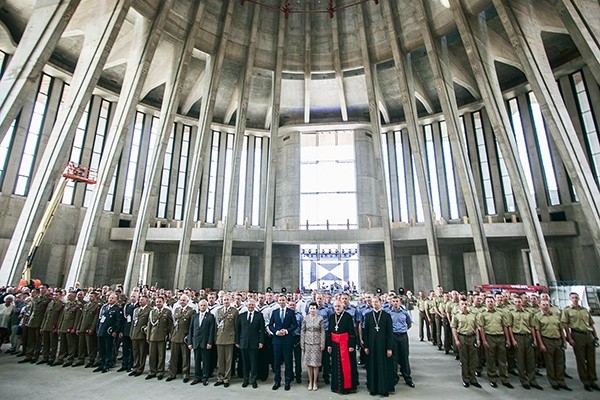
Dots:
{"x": 42, "y": 33}
{"x": 337, "y": 66}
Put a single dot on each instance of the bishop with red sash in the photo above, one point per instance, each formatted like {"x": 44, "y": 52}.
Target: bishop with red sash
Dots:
{"x": 341, "y": 344}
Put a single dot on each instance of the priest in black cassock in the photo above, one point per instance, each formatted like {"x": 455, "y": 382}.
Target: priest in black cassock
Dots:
{"x": 379, "y": 340}
{"x": 341, "y": 344}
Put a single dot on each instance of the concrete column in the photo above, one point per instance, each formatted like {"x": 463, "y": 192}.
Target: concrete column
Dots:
{"x": 415, "y": 136}
{"x": 43, "y": 31}
{"x": 240, "y": 129}
{"x": 524, "y": 35}
{"x": 582, "y": 20}
{"x": 475, "y": 39}
{"x": 147, "y": 37}
{"x": 377, "y": 149}
{"x": 367, "y": 190}
{"x": 100, "y": 36}
{"x": 274, "y": 144}
{"x": 200, "y": 152}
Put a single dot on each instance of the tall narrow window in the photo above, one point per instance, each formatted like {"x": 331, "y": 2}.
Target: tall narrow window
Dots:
{"x": 134, "y": 154}
{"x": 449, "y": 171}
{"x": 417, "y": 188}
{"x": 402, "y": 188}
{"x": 109, "y": 203}
{"x": 258, "y": 155}
{"x": 386, "y": 172}
{"x": 509, "y": 198}
{"x": 33, "y": 137}
{"x": 5, "y": 147}
{"x": 544, "y": 149}
{"x": 154, "y": 127}
{"x": 484, "y": 164}
{"x": 242, "y": 181}
{"x": 212, "y": 178}
{"x": 182, "y": 174}
{"x": 98, "y": 146}
{"x": 165, "y": 177}
{"x": 589, "y": 126}
{"x": 228, "y": 175}
{"x": 517, "y": 126}
{"x": 76, "y": 153}
{"x": 432, "y": 171}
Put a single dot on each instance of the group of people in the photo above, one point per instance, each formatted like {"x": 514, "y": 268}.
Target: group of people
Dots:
{"x": 510, "y": 333}
{"x": 250, "y": 334}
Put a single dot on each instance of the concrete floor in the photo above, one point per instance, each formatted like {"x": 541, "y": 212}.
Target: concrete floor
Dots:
{"x": 435, "y": 375}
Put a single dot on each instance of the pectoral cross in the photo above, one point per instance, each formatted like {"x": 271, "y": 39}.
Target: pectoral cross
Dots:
{"x": 336, "y": 328}
{"x": 377, "y": 328}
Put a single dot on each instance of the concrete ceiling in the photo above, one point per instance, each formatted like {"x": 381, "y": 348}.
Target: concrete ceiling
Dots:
{"x": 314, "y": 45}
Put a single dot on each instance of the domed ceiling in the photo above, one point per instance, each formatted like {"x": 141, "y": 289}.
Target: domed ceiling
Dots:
{"x": 323, "y": 63}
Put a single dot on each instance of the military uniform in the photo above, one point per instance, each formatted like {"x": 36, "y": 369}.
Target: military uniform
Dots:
{"x": 582, "y": 332}
{"x": 34, "y": 344}
{"x": 465, "y": 327}
{"x": 66, "y": 329}
{"x": 49, "y": 330}
{"x": 138, "y": 338}
{"x": 422, "y": 307}
{"x": 160, "y": 324}
{"x": 521, "y": 326}
{"x": 86, "y": 329}
{"x": 431, "y": 308}
{"x": 549, "y": 330}
{"x": 225, "y": 340}
{"x": 493, "y": 324}
{"x": 179, "y": 348}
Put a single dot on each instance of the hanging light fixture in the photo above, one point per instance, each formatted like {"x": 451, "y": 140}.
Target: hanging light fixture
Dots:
{"x": 295, "y": 7}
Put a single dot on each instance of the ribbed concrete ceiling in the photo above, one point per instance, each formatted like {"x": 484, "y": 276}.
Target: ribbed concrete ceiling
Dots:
{"x": 310, "y": 40}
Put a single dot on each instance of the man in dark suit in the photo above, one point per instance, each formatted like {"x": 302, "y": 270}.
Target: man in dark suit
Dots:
{"x": 110, "y": 323}
{"x": 201, "y": 339}
{"x": 249, "y": 338}
{"x": 127, "y": 361}
{"x": 281, "y": 325}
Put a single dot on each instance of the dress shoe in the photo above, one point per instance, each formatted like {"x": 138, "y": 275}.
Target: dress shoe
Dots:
{"x": 217, "y": 383}
{"x": 478, "y": 374}
{"x": 410, "y": 384}
{"x": 326, "y": 380}
{"x": 42, "y": 362}
{"x": 159, "y": 377}
{"x": 565, "y": 387}
{"x": 105, "y": 370}
{"x": 421, "y": 340}
{"x": 555, "y": 387}
{"x": 25, "y": 360}
{"x": 287, "y": 386}
{"x": 278, "y": 385}
{"x": 226, "y": 385}
{"x": 98, "y": 369}
{"x": 65, "y": 365}
{"x": 205, "y": 382}
{"x": 254, "y": 385}
{"x": 594, "y": 386}
{"x": 508, "y": 385}
{"x": 298, "y": 380}
{"x": 132, "y": 373}
{"x": 195, "y": 382}
{"x": 538, "y": 387}
{"x": 169, "y": 379}
{"x": 526, "y": 386}
{"x": 476, "y": 384}
{"x": 122, "y": 369}
{"x": 245, "y": 384}
{"x": 513, "y": 372}
{"x": 22, "y": 354}
{"x": 538, "y": 373}
{"x": 568, "y": 376}
{"x": 587, "y": 388}
{"x": 150, "y": 377}
{"x": 466, "y": 384}
{"x": 493, "y": 384}
{"x": 138, "y": 373}
{"x": 77, "y": 364}
{"x": 186, "y": 379}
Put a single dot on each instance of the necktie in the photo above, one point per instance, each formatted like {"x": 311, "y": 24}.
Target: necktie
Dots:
{"x": 282, "y": 314}
{"x": 201, "y": 319}
{"x": 250, "y": 317}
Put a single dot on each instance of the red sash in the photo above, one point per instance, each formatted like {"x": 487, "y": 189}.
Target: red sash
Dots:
{"x": 342, "y": 340}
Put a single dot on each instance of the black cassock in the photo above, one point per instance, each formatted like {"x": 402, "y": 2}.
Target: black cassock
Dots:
{"x": 341, "y": 336}
{"x": 378, "y": 337}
